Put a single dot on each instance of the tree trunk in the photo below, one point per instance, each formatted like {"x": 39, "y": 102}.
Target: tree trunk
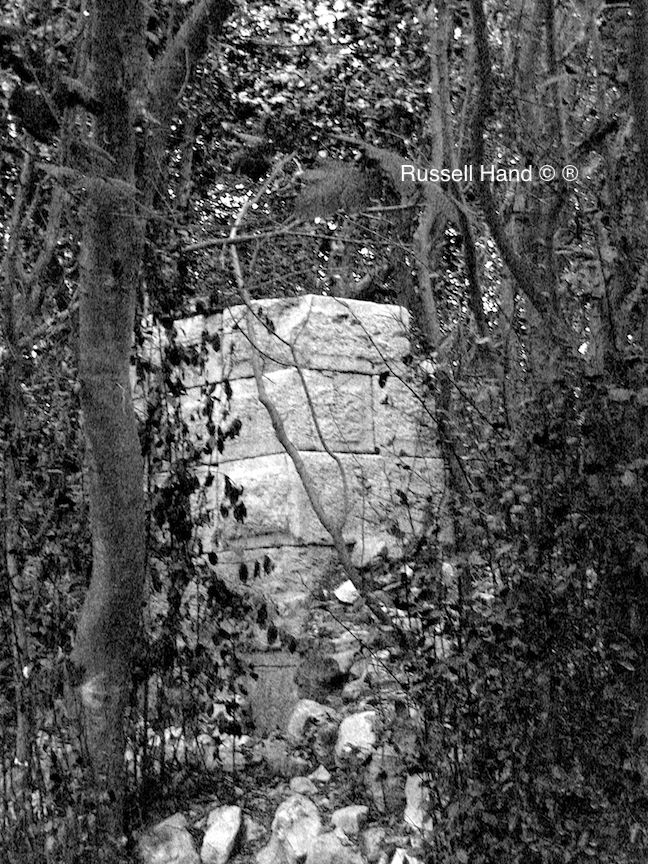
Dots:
{"x": 114, "y": 226}
{"x": 111, "y": 253}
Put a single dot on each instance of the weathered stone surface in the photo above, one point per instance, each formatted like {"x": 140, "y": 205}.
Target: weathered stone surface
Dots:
{"x": 306, "y": 711}
{"x": 169, "y": 842}
{"x": 330, "y": 849}
{"x": 382, "y": 495}
{"x": 295, "y": 826}
{"x": 356, "y": 735}
{"x": 274, "y": 693}
{"x": 325, "y": 332}
{"x": 223, "y": 827}
{"x": 350, "y": 819}
{"x": 403, "y": 418}
{"x": 266, "y": 483}
{"x": 342, "y": 405}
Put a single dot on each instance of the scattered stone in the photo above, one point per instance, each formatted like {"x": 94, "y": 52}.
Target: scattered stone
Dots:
{"x": 207, "y": 751}
{"x": 417, "y": 808}
{"x": 223, "y": 828}
{"x": 385, "y": 780}
{"x": 375, "y": 670}
{"x": 253, "y": 830}
{"x": 330, "y": 849}
{"x": 303, "y": 786}
{"x": 402, "y": 856}
{"x": 355, "y": 690}
{"x": 295, "y": 826}
{"x": 298, "y": 766}
{"x": 324, "y": 743}
{"x": 320, "y": 775}
{"x": 353, "y": 638}
{"x": 230, "y": 752}
{"x": 345, "y": 660}
{"x": 347, "y": 592}
{"x": 175, "y": 746}
{"x": 169, "y": 842}
{"x": 275, "y": 754}
{"x": 350, "y": 819}
{"x": 356, "y": 735}
{"x": 368, "y": 550}
{"x": 306, "y": 711}
{"x": 373, "y": 840}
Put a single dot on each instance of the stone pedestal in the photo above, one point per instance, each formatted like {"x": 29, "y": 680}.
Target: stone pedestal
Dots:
{"x": 340, "y": 374}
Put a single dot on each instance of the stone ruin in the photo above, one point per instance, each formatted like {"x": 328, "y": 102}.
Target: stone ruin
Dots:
{"x": 343, "y": 367}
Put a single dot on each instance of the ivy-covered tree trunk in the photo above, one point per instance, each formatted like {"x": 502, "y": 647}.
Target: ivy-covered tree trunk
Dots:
{"x": 120, "y": 188}
{"x": 111, "y": 252}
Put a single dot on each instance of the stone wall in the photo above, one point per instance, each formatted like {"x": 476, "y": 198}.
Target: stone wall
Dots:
{"x": 355, "y": 363}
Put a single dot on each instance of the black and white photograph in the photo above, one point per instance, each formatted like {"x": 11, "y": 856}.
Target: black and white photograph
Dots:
{"x": 324, "y": 432}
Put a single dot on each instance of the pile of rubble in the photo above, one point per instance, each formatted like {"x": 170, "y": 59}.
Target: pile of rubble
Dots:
{"x": 343, "y": 785}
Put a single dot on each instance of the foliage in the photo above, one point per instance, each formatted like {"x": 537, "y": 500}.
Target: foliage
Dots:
{"x": 528, "y": 659}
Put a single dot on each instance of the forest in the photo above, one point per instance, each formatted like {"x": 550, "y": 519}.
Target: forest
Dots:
{"x": 481, "y": 164}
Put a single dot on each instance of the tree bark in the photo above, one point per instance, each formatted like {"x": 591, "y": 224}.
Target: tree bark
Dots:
{"x": 638, "y": 74}
{"x": 111, "y": 252}
{"x": 114, "y": 225}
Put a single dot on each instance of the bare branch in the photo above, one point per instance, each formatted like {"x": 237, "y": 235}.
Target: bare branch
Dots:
{"x": 525, "y": 278}
{"x": 239, "y": 238}
{"x": 172, "y": 73}
{"x": 36, "y": 289}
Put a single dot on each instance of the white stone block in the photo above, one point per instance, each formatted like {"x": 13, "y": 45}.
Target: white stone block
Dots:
{"x": 384, "y": 497}
{"x": 342, "y": 405}
{"x": 223, "y": 828}
{"x": 403, "y": 418}
{"x": 264, "y": 481}
{"x": 326, "y": 333}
